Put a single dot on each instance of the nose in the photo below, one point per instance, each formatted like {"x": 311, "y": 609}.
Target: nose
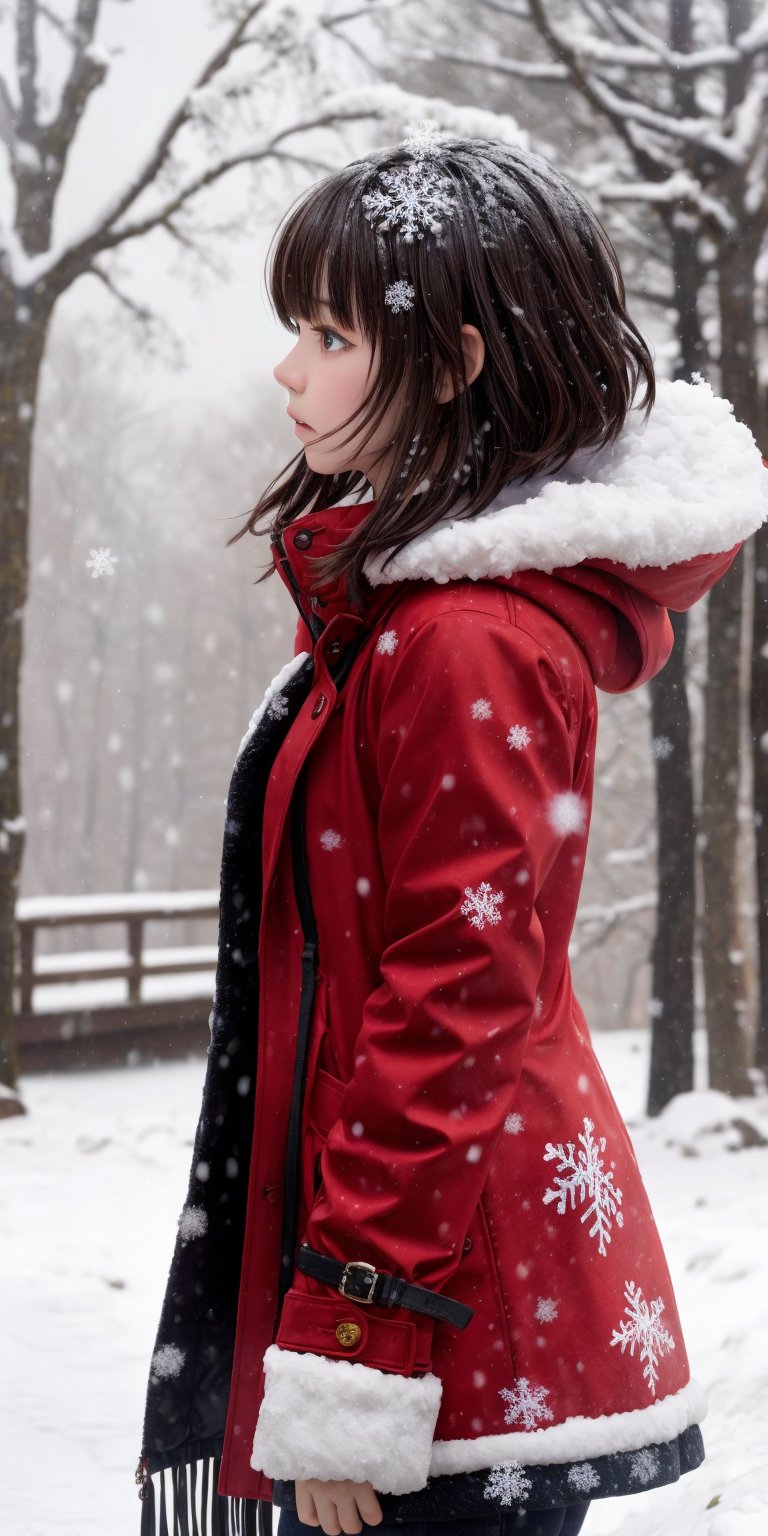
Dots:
{"x": 288, "y": 373}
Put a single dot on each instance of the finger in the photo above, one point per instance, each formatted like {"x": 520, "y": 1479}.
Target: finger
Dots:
{"x": 329, "y": 1519}
{"x": 369, "y": 1506}
{"x": 349, "y": 1516}
{"x": 305, "y": 1507}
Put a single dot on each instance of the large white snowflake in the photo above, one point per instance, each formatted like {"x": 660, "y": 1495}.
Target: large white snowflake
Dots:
{"x": 582, "y": 1172}
{"x": 412, "y": 199}
{"x": 583, "y": 1477}
{"x": 519, "y": 736}
{"x": 645, "y": 1329}
{"x": 525, "y": 1403}
{"x": 546, "y": 1309}
{"x": 330, "y": 838}
{"x": 278, "y": 707}
{"x": 399, "y": 295}
{"x": 102, "y": 562}
{"x": 508, "y": 1483}
{"x": 481, "y": 905}
{"x": 644, "y": 1465}
{"x": 386, "y": 642}
{"x": 481, "y": 709}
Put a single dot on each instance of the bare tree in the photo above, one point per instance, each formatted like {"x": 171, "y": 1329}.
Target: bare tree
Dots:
{"x": 224, "y": 124}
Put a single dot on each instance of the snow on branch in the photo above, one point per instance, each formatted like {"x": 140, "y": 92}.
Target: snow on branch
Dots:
{"x": 681, "y": 187}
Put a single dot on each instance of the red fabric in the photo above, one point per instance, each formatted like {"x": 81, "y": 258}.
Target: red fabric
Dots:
{"x": 447, "y": 809}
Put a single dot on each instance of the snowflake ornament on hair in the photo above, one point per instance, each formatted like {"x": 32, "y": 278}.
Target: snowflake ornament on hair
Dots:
{"x": 415, "y": 197}
{"x": 399, "y": 295}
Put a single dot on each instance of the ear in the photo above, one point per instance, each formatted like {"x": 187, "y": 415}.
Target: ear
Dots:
{"x": 473, "y": 347}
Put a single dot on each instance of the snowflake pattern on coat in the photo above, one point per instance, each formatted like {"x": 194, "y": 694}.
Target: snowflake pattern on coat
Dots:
{"x": 583, "y": 1477}
{"x": 525, "y": 1403}
{"x": 546, "y": 1309}
{"x": 278, "y": 707}
{"x": 386, "y": 643}
{"x": 330, "y": 838}
{"x": 519, "y": 736}
{"x": 583, "y": 1173}
{"x": 645, "y": 1329}
{"x": 481, "y": 709}
{"x": 644, "y": 1465}
{"x": 508, "y": 1483}
{"x": 481, "y": 905}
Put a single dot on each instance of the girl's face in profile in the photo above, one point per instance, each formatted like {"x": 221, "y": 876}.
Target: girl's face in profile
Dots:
{"x": 326, "y": 374}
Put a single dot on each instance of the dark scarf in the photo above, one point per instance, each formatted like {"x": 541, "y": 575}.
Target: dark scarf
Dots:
{"x": 188, "y": 1391}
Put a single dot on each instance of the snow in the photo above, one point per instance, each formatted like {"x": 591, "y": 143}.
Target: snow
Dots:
{"x": 95, "y": 1180}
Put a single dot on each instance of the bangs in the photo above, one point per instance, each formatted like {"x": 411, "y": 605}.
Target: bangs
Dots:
{"x": 326, "y": 250}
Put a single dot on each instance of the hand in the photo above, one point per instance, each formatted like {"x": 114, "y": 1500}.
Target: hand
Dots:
{"x": 337, "y": 1505}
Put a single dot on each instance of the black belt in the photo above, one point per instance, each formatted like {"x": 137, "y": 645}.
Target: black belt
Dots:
{"x": 361, "y": 1281}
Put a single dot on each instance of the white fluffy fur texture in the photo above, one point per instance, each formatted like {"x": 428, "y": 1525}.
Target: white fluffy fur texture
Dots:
{"x": 274, "y": 687}
{"x": 576, "y": 1439}
{"x": 337, "y": 1418}
{"x": 689, "y": 481}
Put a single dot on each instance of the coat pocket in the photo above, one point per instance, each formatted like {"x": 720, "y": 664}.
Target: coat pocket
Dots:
{"x": 322, "y": 1099}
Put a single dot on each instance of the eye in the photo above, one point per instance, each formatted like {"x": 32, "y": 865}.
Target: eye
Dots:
{"x": 323, "y": 334}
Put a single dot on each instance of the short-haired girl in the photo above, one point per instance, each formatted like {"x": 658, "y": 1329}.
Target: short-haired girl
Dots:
{"x": 417, "y": 1281}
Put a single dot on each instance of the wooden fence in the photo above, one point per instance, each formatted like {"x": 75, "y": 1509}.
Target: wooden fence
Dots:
{"x": 97, "y": 1007}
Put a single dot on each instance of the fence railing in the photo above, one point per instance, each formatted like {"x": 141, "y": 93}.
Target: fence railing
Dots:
{"x": 97, "y": 1007}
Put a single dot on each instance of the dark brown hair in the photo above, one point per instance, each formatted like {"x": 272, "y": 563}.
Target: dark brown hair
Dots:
{"x": 526, "y": 260}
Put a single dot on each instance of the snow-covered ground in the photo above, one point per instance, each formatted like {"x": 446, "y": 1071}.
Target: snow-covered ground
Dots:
{"x": 94, "y": 1178}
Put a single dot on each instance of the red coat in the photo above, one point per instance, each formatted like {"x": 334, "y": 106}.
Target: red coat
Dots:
{"x": 456, "y": 1117}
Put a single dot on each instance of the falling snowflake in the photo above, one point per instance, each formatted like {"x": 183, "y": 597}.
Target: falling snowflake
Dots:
{"x": 167, "y": 1361}
{"x": 644, "y": 1465}
{"x": 519, "y": 736}
{"x": 331, "y": 839}
{"x": 546, "y": 1310}
{"x": 278, "y": 707}
{"x": 385, "y": 645}
{"x": 662, "y": 747}
{"x": 480, "y": 905}
{"x": 583, "y": 1477}
{"x": 102, "y": 562}
{"x": 514, "y": 1123}
{"x": 399, "y": 295}
{"x": 193, "y": 1222}
{"x": 567, "y": 813}
{"x": 481, "y": 709}
{"x": 508, "y": 1483}
{"x": 645, "y": 1329}
{"x": 655, "y": 1007}
{"x": 525, "y": 1403}
{"x": 584, "y": 1172}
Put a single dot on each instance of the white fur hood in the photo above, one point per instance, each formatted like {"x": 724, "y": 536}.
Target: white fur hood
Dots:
{"x": 687, "y": 482}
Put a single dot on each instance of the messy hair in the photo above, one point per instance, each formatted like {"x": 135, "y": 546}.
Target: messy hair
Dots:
{"x": 528, "y": 262}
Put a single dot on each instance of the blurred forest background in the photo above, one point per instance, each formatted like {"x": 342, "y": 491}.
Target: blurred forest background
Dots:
{"x": 156, "y": 423}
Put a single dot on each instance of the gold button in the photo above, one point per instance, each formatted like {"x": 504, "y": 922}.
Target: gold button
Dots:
{"x": 348, "y": 1334}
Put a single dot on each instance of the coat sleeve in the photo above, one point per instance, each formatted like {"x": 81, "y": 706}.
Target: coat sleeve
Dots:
{"x": 475, "y": 762}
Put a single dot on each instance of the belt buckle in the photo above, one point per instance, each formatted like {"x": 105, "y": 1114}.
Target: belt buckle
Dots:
{"x": 359, "y": 1264}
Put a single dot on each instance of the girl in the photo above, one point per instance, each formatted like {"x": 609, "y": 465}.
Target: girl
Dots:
{"x": 417, "y": 1279}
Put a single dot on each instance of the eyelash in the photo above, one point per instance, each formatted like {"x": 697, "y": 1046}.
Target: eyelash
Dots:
{"x": 321, "y": 331}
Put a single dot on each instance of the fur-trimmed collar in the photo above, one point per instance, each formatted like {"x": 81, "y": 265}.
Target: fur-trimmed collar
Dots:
{"x": 688, "y": 481}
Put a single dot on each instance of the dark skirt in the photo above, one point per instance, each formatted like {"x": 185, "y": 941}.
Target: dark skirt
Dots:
{"x": 548, "y": 1522}
{"x": 510, "y": 1488}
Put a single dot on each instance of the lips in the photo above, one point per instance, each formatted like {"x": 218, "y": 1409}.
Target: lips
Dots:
{"x": 300, "y": 423}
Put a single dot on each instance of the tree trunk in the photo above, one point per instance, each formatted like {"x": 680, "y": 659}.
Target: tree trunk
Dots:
{"x": 22, "y": 329}
{"x": 759, "y": 733}
{"x": 672, "y": 955}
{"x": 672, "y": 1011}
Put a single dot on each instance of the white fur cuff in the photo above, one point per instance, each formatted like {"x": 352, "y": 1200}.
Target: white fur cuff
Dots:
{"x": 337, "y": 1419}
